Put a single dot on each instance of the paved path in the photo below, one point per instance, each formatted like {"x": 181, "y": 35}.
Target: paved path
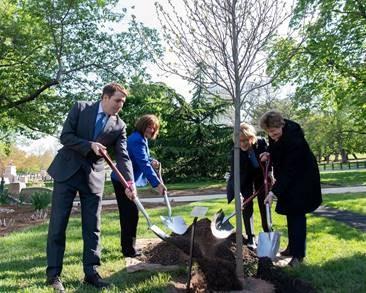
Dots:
{"x": 355, "y": 220}
{"x": 191, "y": 198}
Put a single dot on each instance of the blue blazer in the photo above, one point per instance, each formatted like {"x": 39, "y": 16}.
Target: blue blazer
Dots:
{"x": 138, "y": 150}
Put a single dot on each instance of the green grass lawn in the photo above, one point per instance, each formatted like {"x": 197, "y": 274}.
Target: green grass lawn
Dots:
{"x": 355, "y": 202}
{"x": 344, "y": 178}
{"x": 336, "y": 254}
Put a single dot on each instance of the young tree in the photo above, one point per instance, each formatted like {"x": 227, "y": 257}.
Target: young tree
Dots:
{"x": 228, "y": 38}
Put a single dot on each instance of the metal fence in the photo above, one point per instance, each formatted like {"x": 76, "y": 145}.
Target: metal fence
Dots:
{"x": 351, "y": 165}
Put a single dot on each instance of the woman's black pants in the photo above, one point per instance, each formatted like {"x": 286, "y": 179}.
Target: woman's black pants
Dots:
{"x": 296, "y": 225}
{"x": 128, "y": 218}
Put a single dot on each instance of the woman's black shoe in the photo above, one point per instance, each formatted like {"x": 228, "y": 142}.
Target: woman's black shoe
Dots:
{"x": 286, "y": 252}
{"x": 132, "y": 253}
{"x": 295, "y": 261}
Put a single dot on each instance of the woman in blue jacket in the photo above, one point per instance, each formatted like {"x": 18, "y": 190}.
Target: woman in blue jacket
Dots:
{"x": 146, "y": 127}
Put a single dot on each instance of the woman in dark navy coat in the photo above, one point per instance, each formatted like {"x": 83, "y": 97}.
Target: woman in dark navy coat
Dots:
{"x": 297, "y": 179}
{"x": 251, "y": 178}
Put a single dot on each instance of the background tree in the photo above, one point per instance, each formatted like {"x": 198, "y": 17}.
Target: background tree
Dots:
{"x": 330, "y": 67}
{"x": 55, "y": 52}
{"x": 227, "y": 38}
{"x": 192, "y": 142}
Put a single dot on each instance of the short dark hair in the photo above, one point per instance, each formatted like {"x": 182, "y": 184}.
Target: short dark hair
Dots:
{"x": 271, "y": 119}
{"x": 113, "y": 87}
{"x": 145, "y": 121}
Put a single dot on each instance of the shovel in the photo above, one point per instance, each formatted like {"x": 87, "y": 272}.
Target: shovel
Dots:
{"x": 220, "y": 225}
{"x": 157, "y": 231}
{"x": 268, "y": 242}
{"x": 176, "y": 224}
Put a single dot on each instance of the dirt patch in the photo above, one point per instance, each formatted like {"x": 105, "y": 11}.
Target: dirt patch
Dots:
{"x": 214, "y": 264}
{"x": 15, "y": 218}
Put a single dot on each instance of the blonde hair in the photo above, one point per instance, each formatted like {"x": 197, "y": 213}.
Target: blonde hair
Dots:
{"x": 145, "y": 121}
{"x": 248, "y": 131}
{"x": 271, "y": 119}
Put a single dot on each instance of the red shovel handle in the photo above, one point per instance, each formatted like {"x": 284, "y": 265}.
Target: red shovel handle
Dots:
{"x": 105, "y": 155}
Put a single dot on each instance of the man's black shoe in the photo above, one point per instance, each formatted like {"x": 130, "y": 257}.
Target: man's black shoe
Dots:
{"x": 96, "y": 281}
{"x": 55, "y": 283}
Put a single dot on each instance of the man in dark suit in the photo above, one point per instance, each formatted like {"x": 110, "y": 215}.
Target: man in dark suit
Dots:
{"x": 78, "y": 167}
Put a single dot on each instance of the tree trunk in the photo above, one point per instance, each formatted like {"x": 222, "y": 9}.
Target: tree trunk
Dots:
{"x": 344, "y": 156}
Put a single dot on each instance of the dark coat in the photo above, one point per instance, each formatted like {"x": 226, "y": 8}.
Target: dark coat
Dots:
{"x": 248, "y": 174}
{"x": 76, "y": 153}
{"x": 295, "y": 169}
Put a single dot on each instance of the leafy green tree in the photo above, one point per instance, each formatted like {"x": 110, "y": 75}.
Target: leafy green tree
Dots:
{"x": 192, "y": 142}
{"x": 55, "y": 52}
{"x": 330, "y": 67}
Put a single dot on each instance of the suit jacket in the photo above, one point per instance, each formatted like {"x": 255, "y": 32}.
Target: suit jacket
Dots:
{"x": 76, "y": 153}
{"x": 248, "y": 174}
{"x": 297, "y": 185}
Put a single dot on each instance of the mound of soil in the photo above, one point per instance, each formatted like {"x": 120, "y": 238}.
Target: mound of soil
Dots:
{"x": 214, "y": 259}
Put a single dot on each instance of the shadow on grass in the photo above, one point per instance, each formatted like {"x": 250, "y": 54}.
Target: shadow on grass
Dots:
{"x": 340, "y": 230}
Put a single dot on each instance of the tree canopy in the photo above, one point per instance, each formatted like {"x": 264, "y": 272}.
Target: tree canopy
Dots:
{"x": 330, "y": 67}
{"x": 55, "y": 52}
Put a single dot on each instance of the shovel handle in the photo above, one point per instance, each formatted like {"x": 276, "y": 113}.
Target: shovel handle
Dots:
{"x": 166, "y": 198}
{"x": 142, "y": 210}
{"x": 167, "y": 202}
{"x": 114, "y": 168}
{"x": 269, "y": 216}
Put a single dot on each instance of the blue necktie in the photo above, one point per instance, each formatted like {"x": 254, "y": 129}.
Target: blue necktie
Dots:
{"x": 99, "y": 125}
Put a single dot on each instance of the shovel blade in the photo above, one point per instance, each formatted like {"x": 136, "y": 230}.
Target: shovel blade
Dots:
{"x": 158, "y": 232}
{"x": 176, "y": 224}
{"x": 268, "y": 244}
{"x": 219, "y": 227}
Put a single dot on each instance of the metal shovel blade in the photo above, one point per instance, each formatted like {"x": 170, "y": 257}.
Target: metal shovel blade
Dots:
{"x": 176, "y": 224}
{"x": 221, "y": 227}
{"x": 158, "y": 232}
{"x": 268, "y": 244}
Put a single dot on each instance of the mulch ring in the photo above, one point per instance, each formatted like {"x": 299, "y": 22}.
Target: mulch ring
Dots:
{"x": 214, "y": 264}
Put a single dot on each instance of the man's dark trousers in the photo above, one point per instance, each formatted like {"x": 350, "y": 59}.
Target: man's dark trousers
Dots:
{"x": 62, "y": 202}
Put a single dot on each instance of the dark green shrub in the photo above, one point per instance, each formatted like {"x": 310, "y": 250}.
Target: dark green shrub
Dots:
{"x": 4, "y": 197}
{"x": 40, "y": 200}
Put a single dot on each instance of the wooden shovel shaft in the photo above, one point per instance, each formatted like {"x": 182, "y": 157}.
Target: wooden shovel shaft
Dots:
{"x": 114, "y": 168}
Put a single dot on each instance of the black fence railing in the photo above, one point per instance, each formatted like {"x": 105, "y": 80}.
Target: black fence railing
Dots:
{"x": 342, "y": 166}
